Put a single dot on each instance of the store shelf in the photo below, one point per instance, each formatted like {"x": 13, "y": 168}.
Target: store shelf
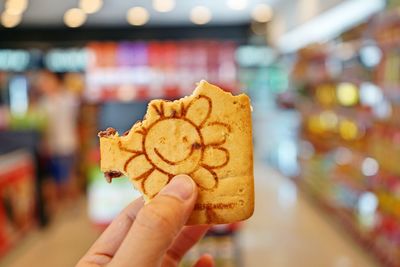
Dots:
{"x": 357, "y": 186}
{"x": 346, "y": 220}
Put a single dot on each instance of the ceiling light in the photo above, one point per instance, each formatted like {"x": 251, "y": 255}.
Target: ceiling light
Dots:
{"x": 327, "y": 26}
{"x": 137, "y": 16}
{"x": 262, "y": 13}
{"x": 236, "y": 4}
{"x": 9, "y": 20}
{"x": 16, "y": 7}
{"x": 74, "y": 17}
{"x": 200, "y": 15}
{"x": 163, "y": 5}
{"x": 90, "y": 6}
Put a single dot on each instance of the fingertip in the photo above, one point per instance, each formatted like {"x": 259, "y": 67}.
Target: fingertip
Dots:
{"x": 205, "y": 260}
{"x": 181, "y": 187}
{"x": 134, "y": 206}
{"x": 139, "y": 200}
{"x": 189, "y": 179}
{"x": 160, "y": 221}
{"x": 182, "y": 175}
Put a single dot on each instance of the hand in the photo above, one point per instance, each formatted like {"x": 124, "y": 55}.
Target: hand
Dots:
{"x": 152, "y": 235}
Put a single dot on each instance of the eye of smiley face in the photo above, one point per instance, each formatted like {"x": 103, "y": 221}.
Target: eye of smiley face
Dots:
{"x": 176, "y": 147}
{"x": 176, "y": 142}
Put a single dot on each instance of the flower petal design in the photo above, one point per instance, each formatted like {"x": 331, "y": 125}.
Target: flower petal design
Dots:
{"x": 137, "y": 167}
{"x": 171, "y": 110}
{"x": 132, "y": 142}
{"x": 215, "y": 157}
{"x": 158, "y": 107}
{"x": 215, "y": 133}
{"x": 205, "y": 178}
{"x": 199, "y": 110}
{"x": 155, "y": 111}
{"x": 154, "y": 183}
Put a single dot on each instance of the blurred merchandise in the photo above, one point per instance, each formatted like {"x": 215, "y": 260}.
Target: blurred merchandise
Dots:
{"x": 129, "y": 71}
{"x": 348, "y": 97}
{"x": 324, "y": 81}
{"x": 17, "y": 192}
{"x": 265, "y": 78}
{"x": 224, "y": 248}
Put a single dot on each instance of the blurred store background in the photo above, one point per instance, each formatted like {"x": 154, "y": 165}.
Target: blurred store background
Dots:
{"x": 324, "y": 79}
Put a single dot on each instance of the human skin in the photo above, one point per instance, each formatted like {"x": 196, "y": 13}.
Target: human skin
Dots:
{"x": 151, "y": 235}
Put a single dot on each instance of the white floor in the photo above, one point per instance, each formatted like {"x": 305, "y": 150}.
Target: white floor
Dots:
{"x": 285, "y": 231}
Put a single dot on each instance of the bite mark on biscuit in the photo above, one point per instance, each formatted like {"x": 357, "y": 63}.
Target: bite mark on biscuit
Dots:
{"x": 111, "y": 175}
{"x": 107, "y": 133}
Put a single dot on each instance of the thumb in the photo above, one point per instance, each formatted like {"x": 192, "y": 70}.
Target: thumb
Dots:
{"x": 157, "y": 224}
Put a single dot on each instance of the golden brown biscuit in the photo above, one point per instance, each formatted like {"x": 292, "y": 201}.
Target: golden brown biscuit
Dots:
{"x": 207, "y": 135}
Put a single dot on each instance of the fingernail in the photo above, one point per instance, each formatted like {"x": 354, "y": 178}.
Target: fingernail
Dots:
{"x": 181, "y": 187}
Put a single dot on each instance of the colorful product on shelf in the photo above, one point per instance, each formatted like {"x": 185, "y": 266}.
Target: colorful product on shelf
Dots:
{"x": 225, "y": 249}
{"x": 143, "y": 70}
{"x": 17, "y": 195}
{"x": 352, "y": 123}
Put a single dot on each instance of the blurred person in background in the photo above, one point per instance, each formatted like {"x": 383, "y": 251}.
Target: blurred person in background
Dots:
{"x": 61, "y": 142}
{"x": 34, "y": 118}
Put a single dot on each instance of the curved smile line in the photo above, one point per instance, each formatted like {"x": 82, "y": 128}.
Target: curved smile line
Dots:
{"x": 174, "y": 162}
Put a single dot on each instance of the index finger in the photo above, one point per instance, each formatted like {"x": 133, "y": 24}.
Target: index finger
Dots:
{"x": 103, "y": 250}
{"x": 158, "y": 224}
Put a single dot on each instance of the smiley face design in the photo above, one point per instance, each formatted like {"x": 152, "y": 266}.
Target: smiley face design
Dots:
{"x": 178, "y": 141}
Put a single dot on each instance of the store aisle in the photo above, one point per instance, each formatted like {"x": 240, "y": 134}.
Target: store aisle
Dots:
{"x": 287, "y": 230}
{"x": 60, "y": 245}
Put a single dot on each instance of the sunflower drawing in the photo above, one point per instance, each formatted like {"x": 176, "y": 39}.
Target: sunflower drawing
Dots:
{"x": 178, "y": 141}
